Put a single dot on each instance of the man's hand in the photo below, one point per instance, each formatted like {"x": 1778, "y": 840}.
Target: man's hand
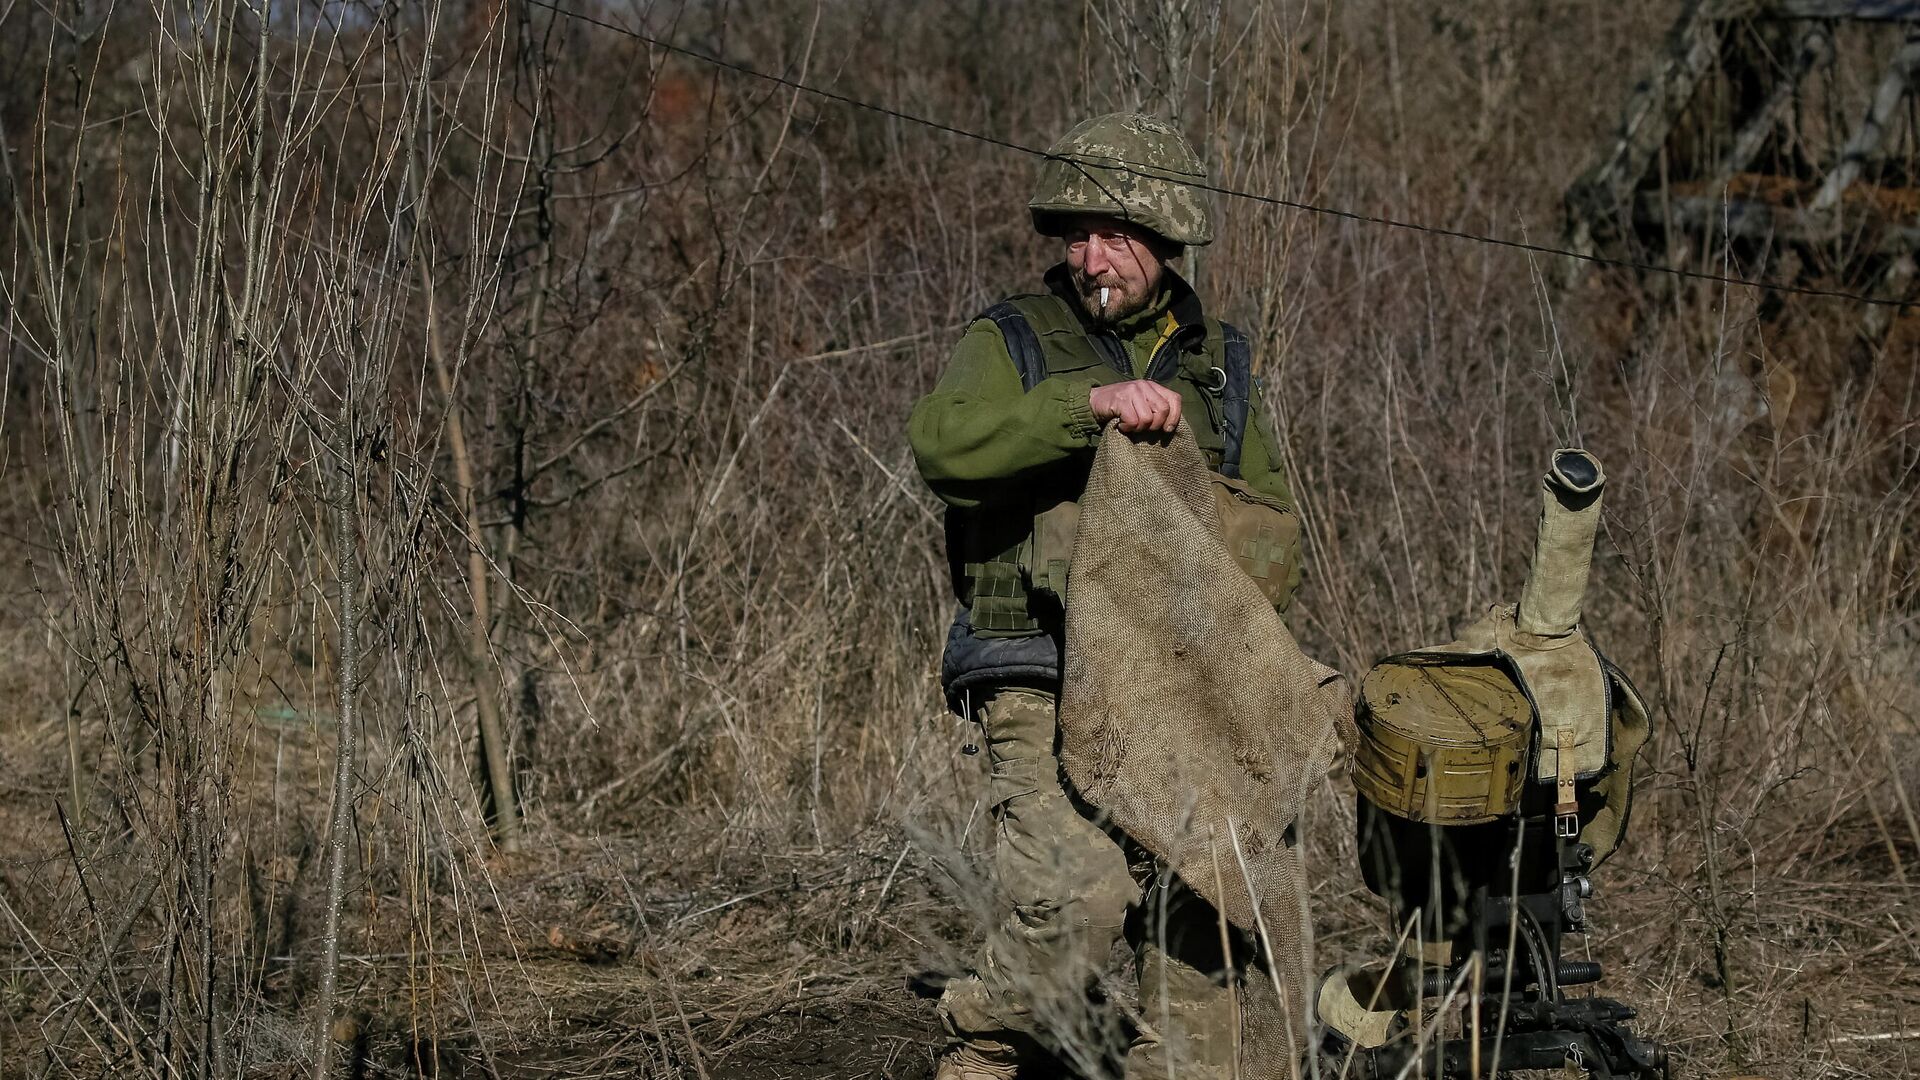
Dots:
{"x": 1140, "y": 405}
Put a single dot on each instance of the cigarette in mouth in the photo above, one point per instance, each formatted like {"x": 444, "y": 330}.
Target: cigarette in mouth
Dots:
{"x": 1103, "y": 298}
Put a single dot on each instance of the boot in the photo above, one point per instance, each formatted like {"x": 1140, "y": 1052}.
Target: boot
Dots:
{"x": 981, "y": 1060}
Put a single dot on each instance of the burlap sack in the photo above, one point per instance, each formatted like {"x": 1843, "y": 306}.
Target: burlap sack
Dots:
{"x": 1187, "y": 711}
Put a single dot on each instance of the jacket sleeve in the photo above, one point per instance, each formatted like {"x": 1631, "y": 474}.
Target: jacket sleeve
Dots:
{"x": 979, "y": 428}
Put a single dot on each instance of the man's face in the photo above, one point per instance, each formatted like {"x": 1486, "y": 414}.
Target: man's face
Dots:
{"x": 1104, "y": 253}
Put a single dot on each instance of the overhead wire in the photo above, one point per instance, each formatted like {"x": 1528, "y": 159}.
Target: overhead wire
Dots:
{"x": 1225, "y": 192}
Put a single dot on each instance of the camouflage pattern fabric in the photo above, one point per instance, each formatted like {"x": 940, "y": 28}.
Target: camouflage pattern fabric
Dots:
{"x": 1129, "y": 166}
{"x": 1072, "y": 893}
{"x": 1064, "y": 882}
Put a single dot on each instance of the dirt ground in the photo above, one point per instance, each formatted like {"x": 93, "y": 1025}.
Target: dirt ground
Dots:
{"x": 866, "y": 1032}
{"x": 799, "y": 967}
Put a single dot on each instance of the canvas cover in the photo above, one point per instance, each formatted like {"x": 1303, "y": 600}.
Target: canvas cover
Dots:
{"x": 1188, "y": 712}
{"x": 1592, "y": 722}
{"x": 1572, "y": 687}
{"x": 1442, "y": 741}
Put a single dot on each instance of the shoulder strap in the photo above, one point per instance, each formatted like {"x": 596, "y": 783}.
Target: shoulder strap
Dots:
{"x": 1235, "y": 397}
{"x": 1022, "y": 343}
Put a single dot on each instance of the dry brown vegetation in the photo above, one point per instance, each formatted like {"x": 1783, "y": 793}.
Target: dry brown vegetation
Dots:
{"x": 567, "y": 377}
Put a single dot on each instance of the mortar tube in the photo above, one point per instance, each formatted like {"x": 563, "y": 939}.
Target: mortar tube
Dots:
{"x": 1562, "y": 546}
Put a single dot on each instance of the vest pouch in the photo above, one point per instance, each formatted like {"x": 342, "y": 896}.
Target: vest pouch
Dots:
{"x": 989, "y": 555}
{"x": 1263, "y": 536}
{"x": 1054, "y": 528}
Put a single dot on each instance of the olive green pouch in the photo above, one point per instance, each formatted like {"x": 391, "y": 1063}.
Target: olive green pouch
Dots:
{"x": 1263, "y": 536}
{"x": 1442, "y": 739}
{"x": 1054, "y": 528}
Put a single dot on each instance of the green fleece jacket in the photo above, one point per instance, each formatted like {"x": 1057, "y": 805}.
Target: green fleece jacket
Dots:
{"x": 978, "y": 433}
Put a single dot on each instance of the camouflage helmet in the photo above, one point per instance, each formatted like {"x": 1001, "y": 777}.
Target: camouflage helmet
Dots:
{"x": 1126, "y": 165}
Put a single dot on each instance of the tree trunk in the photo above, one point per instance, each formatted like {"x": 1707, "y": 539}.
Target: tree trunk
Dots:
{"x": 347, "y": 556}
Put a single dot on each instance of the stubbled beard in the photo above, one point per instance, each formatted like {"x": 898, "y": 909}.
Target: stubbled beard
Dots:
{"x": 1119, "y": 304}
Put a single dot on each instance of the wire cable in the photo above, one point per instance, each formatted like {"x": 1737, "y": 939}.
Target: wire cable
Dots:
{"x": 1225, "y": 192}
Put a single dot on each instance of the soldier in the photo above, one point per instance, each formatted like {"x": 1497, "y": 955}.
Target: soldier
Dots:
{"x": 1006, "y": 439}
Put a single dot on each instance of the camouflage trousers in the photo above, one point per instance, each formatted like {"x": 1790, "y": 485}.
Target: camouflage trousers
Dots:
{"x": 1076, "y": 890}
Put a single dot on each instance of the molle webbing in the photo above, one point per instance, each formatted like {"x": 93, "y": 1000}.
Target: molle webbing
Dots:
{"x": 999, "y": 598}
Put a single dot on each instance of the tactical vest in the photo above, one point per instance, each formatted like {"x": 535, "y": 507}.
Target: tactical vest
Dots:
{"x": 1009, "y": 559}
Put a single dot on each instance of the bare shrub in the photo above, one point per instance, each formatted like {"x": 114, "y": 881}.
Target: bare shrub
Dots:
{"x": 601, "y": 356}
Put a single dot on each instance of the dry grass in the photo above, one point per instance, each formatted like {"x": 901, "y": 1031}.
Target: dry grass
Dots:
{"x": 682, "y": 317}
